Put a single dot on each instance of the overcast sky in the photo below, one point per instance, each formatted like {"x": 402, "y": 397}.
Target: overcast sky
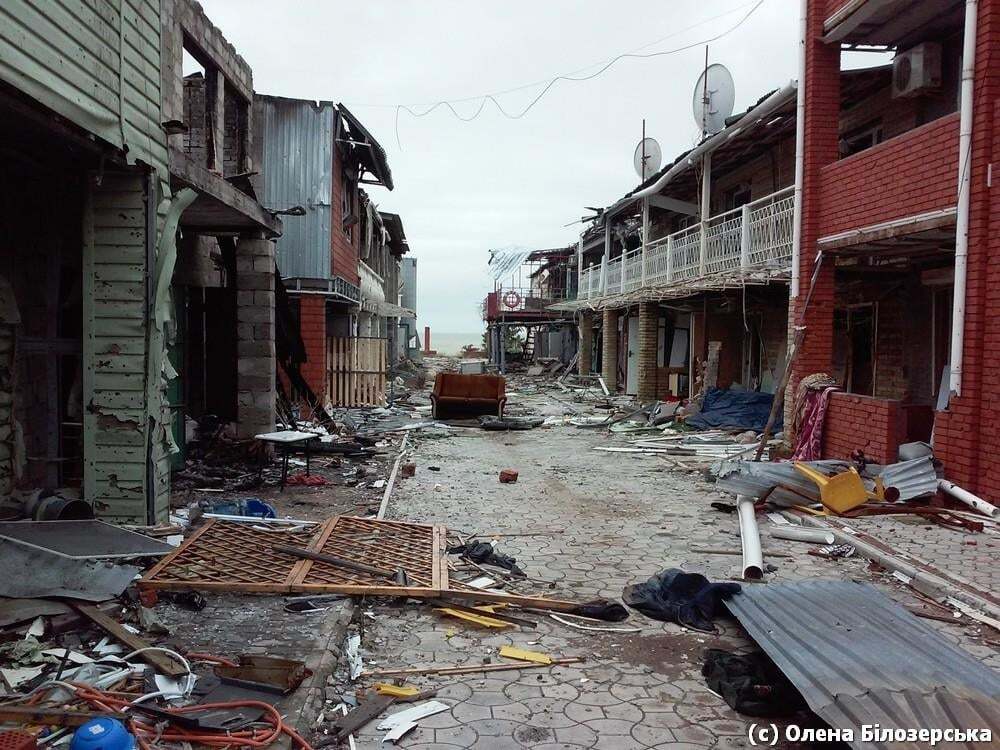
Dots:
{"x": 465, "y": 187}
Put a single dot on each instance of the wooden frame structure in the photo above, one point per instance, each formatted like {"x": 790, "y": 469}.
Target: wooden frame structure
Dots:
{"x": 237, "y": 556}
{"x": 356, "y": 371}
{"x": 240, "y": 557}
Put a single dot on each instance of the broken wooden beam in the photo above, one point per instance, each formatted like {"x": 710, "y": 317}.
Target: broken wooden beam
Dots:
{"x": 157, "y": 658}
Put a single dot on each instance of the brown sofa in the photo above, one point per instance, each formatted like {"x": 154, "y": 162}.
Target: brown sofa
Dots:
{"x": 457, "y": 396}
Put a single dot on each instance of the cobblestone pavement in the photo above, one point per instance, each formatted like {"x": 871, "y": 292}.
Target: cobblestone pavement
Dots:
{"x": 604, "y": 520}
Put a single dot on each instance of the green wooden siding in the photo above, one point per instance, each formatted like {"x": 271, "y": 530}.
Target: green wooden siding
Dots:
{"x": 116, "y": 423}
{"x": 95, "y": 62}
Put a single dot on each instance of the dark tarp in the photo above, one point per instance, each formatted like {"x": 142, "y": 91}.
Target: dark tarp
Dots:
{"x": 688, "y": 599}
{"x": 734, "y": 410}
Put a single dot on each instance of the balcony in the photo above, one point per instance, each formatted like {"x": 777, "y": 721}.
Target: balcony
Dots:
{"x": 754, "y": 237}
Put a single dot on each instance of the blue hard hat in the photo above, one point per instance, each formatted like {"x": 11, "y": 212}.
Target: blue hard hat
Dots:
{"x": 103, "y": 733}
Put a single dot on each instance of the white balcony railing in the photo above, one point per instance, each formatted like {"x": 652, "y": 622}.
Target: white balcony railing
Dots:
{"x": 757, "y": 236}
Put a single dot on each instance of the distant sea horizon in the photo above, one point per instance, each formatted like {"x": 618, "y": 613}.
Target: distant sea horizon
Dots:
{"x": 452, "y": 343}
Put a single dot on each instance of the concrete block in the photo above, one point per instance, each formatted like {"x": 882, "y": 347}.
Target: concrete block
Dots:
{"x": 255, "y": 383}
{"x": 254, "y": 348}
{"x": 263, "y": 297}
{"x": 262, "y": 331}
{"x": 254, "y": 280}
{"x": 255, "y": 314}
{"x": 257, "y": 366}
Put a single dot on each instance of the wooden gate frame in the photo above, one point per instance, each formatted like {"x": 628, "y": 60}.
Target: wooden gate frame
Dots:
{"x": 296, "y": 580}
{"x": 356, "y": 370}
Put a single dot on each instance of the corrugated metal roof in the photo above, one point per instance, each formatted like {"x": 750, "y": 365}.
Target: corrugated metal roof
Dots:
{"x": 297, "y": 146}
{"x": 858, "y": 658}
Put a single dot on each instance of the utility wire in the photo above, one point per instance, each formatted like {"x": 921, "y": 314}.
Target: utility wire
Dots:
{"x": 484, "y": 99}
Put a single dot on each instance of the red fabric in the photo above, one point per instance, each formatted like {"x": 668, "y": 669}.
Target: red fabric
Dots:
{"x": 810, "y": 444}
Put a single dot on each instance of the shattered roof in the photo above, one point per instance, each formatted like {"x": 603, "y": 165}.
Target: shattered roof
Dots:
{"x": 397, "y": 237}
{"x": 858, "y": 658}
{"x": 373, "y": 156}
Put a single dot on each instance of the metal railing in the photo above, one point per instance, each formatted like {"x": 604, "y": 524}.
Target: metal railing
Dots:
{"x": 757, "y": 236}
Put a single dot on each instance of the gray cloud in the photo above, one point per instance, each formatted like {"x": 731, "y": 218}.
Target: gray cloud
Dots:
{"x": 465, "y": 187}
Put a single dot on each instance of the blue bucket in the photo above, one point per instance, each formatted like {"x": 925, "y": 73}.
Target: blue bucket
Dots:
{"x": 103, "y": 733}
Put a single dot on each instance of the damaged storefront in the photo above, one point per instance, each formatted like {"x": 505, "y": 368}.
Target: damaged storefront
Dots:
{"x": 85, "y": 255}
{"x": 314, "y": 157}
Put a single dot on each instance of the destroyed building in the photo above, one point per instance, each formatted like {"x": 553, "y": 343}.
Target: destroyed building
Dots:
{"x": 523, "y": 310}
{"x": 339, "y": 255}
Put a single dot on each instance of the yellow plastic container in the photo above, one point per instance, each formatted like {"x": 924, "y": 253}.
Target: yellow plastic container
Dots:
{"x": 839, "y": 493}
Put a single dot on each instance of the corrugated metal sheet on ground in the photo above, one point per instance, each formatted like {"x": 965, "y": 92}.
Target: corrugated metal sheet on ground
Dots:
{"x": 859, "y": 658}
{"x": 297, "y": 141}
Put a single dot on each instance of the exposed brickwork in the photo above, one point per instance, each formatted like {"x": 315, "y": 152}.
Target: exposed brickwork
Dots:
{"x": 345, "y": 250}
{"x": 912, "y": 173}
{"x": 916, "y": 172}
{"x": 312, "y": 325}
{"x": 586, "y": 329}
{"x": 609, "y": 350}
{"x": 884, "y": 428}
{"x": 822, "y": 82}
{"x": 649, "y": 318}
{"x": 967, "y": 435}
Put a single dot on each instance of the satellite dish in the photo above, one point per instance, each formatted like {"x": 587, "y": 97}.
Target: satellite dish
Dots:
{"x": 647, "y": 158}
{"x": 714, "y": 97}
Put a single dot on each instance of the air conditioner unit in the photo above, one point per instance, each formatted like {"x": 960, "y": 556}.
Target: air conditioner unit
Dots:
{"x": 917, "y": 70}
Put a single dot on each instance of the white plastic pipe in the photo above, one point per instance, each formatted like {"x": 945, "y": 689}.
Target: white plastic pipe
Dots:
{"x": 796, "y": 534}
{"x": 800, "y": 150}
{"x": 973, "y": 501}
{"x": 753, "y": 558}
{"x": 964, "y": 195}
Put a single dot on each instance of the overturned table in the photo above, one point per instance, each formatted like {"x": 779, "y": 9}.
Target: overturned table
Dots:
{"x": 287, "y": 442}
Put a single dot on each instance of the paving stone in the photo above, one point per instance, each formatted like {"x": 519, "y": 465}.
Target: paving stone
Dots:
{"x": 622, "y": 520}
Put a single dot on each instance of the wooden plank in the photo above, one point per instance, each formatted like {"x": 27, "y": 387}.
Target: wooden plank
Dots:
{"x": 160, "y": 661}
{"x": 358, "y": 718}
{"x": 470, "y": 669}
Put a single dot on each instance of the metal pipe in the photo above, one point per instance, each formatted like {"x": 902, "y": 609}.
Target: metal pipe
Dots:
{"x": 964, "y": 197}
{"x": 753, "y": 559}
{"x": 797, "y": 534}
{"x": 800, "y": 150}
{"x": 973, "y": 501}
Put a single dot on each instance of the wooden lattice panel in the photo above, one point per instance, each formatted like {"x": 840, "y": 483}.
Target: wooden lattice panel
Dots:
{"x": 388, "y": 545}
{"x": 231, "y": 556}
{"x": 234, "y": 556}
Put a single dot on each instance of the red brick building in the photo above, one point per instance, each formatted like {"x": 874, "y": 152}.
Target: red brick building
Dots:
{"x": 882, "y": 215}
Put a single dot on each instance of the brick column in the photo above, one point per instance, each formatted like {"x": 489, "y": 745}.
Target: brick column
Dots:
{"x": 822, "y": 89}
{"x": 586, "y": 329}
{"x": 609, "y": 350}
{"x": 966, "y": 435}
{"x": 312, "y": 326}
{"x": 649, "y": 321}
{"x": 255, "y": 367}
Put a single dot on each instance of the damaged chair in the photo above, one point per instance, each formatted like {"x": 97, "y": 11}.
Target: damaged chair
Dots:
{"x": 460, "y": 396}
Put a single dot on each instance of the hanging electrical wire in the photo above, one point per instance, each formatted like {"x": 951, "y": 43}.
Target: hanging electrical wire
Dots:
{"x": 573, "y": 77}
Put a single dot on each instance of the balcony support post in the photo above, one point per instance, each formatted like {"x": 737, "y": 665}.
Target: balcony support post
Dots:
{"x": 745, "y": 237}
{"x": 645, "y": 239}
{"x": 670, "y": 258}
{"x": 706, "y": 208}
{"x": 607, "y": 254}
